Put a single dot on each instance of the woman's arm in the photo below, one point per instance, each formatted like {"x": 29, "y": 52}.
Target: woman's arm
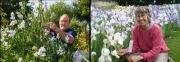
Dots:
{"x": 135, "y": 46}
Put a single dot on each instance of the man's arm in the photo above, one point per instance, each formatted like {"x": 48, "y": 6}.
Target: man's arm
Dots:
{"x": 61, "y": 33}
{"x": 65, "y": 36}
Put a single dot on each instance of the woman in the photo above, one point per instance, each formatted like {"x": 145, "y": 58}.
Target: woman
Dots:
{"x": 148, "y": 42}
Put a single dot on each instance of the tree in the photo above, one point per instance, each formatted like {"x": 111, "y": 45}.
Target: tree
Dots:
{"x": 8, "y": 6}
{"x": 11, "y": 6}
{"x": 83, "y": 10}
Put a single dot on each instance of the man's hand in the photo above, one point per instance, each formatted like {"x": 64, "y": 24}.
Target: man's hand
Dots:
{"x": 122, "y": 52}
{"x": 135, "y": 58}
{"x": 52, "y": 26}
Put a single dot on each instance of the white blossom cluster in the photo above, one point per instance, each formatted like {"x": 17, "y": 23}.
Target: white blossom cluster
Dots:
{"x": 78, "y": 56}
{"x": 164, "y": 14}
{"x": 41, "y": 52}
{"x": 116, "y": 23}
{"x": 7, "y": 33}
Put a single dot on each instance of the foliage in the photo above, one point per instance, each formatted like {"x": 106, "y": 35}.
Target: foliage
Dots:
{"x": 9, "y": 6}
{"x": 83, "y": 10}
{"x": 24, "y": 39}
{"x": 173, "y": 43}
{"x": 56, "y": 10}
{"x": 83, "y": 34}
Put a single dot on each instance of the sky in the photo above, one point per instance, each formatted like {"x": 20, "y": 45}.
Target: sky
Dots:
{"x": 46, "y": 4}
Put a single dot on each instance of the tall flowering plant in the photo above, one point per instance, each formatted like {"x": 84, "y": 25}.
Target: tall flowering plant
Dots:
{"x": 25, "y": 38}
{"x": 111, "y": 28}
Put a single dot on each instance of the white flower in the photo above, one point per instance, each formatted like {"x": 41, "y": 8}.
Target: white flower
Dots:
{"x": 20, "y": 59}
{"x": 46, "y": 32}
{"x": 28, "y": 4}
{"x": 128, "y": 29}
{"x": 93, "y": 53}
{"x": 78, "y": 56}
{"x": 93, "y": 13}
{"x": 94, "y": 32}
{"x": 2, "y": 39}
{"x": 30, "y": 18}
{"x": 105, "y": 41}
{"x": 112, "y": 21}
{"x": 5, "y": 43}
{"x": 101, "y": 59}
{"x": 22, "y": 25}
{"x": 93, "y": 38}
{"x": 3, "y": 33}
{"x": 61, "y": 51}
{"x": 113, "y": 42}
{"x": 124, "y": 35}
{"x": 114, "y": 53}
{"x": 53, "y": 38}
{"x": 110, "y": 39}
{"x": 161, "y": 24}
{"x": 105, "y": 52}
{"x": 86, "y": 60}
{"x": 34, "y": 48}
{"x": 118, "y": 38}
{"x": 109, "y": 29}
{"x": 19, "y": 15}
{"x": 67, "y": 38}
{"x": 105, "y": 59}
{"x": 104, "y": 16}
{"x": 11, "y": 33}
{"x": 42, "y": 52}
{"x": 12, "y": 13}
{"x": 13, "y": 23}
{"x": 36, "y": 54}
{"x": 102, "y": 25}
{"x": 20, "y": 3}
{"x": 12, "y": 16}
{"x": 165, "y": 22}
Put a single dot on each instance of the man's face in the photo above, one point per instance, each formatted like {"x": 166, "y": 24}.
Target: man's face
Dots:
{"x": 64, "y": 22}
{"x": 142, "y": 19}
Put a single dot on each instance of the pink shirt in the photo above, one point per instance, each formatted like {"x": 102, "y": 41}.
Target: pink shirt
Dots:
{"x": 150, "y": 42}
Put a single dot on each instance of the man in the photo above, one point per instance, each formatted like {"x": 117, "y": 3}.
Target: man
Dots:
{"x": 148, "y": 42}
{"x": 67, "y": 35}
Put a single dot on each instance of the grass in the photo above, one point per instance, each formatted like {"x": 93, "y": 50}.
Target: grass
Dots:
{"x": 171, "y": 34}
{"x": 173, "y": 43}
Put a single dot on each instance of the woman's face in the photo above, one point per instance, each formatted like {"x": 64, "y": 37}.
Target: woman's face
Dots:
{"x": 142, "y": 19}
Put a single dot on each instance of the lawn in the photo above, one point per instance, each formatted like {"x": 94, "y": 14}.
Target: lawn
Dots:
{"x": 173, "y": 43}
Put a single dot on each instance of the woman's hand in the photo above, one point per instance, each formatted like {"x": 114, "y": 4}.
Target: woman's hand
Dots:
{"x": 122, "y": 52}
{"x": 135, "y": 58}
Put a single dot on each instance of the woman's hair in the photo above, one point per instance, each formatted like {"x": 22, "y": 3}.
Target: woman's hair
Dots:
{"x": 142, "y": 10}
